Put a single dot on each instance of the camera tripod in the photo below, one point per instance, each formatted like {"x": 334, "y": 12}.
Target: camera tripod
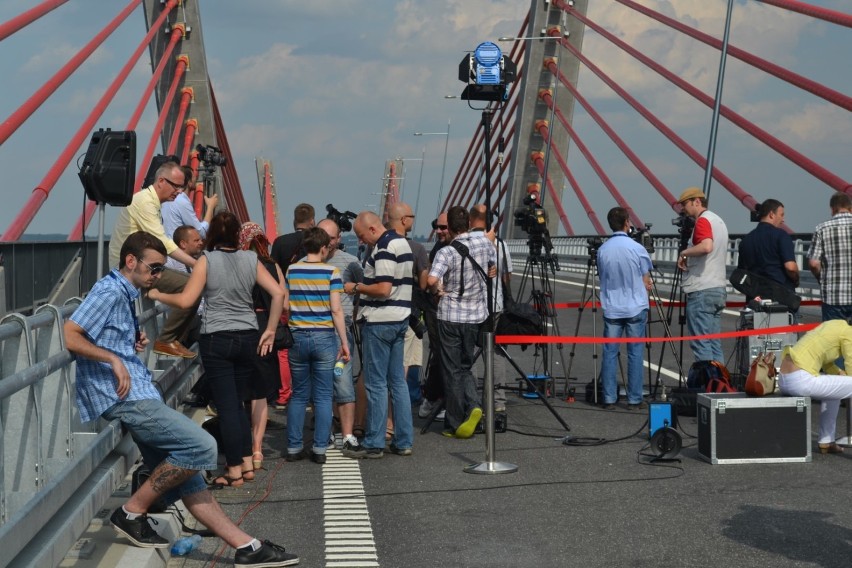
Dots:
{"x": 664, "y": 318}
{"x": 538, "y": 267}
{"x": 590, "y": 296}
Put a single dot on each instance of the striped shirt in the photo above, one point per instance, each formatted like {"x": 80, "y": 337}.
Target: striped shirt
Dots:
{"x": 391, "y": 261}
{"x": 830, "y": 246}
{"x": 310, "y": 285}
{"x": 108, "y": 320}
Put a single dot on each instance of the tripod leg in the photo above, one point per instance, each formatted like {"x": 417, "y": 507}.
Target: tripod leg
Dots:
{"x": 532, "y": 387}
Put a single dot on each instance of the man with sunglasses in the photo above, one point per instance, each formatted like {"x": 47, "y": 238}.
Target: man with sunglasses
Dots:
{"x": 115, "y": 384}
{"x": 143, "y": 214}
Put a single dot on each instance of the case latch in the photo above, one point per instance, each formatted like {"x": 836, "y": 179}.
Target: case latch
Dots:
{"x": 721, "y": 406}
{"x": 800, "y": 405}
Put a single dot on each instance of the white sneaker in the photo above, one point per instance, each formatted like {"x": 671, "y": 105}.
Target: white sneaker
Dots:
{"x": 441, "y": 415}
{"x": 425, "y": 409}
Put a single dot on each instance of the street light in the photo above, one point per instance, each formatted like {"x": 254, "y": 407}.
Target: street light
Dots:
{"x": 444, "y": 166}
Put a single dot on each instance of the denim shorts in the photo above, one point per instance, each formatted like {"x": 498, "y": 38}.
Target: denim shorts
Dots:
{"x": 164, "y": 434}
{"x": 344, "y": 385}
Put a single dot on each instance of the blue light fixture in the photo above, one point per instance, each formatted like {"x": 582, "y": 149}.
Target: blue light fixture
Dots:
{"x": 488, "y": 59}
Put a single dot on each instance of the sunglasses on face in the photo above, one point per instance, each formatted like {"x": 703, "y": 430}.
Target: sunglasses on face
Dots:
{"x": 155, "y": 268}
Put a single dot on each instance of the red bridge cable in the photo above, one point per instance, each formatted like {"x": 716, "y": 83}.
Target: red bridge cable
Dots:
{"x": 183, "y": 106}
{"x": 622, "y": 145}
{"x": 28, "y": 17}
{"x": 814, "y": 11}
{"x": 18, "y": 117}
{"x": 43, "y": 189}
{"x": 269, "y": 224}
{"x": 795, "y": 79}
{"x": 821, "y": 173}
{"x": 746, "y": 199}
{"x": 578, "y": 191}
{"x": 547, "y": 97}
{"x": 177, "y": 34}
{"x": 538, "y": 162}
{"x": 236, "y": 200}
{"x": 180, "y": 68}
{"x": 188, "y": 138}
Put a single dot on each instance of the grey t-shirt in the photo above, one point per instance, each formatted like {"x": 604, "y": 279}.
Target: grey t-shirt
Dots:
{"x": 228, "y": 302}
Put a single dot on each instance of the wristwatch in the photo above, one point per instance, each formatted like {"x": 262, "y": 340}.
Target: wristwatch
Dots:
{"x": 355, "y": 288}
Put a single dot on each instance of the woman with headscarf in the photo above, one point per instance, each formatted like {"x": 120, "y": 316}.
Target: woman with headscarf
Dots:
{"x": 229, "y": 340}
{"x": 266, "y": 380}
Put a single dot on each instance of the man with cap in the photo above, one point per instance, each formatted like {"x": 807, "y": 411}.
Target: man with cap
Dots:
{"x": 705, "y": 278}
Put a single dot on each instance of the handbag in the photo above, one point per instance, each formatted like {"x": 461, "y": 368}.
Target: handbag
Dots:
{"x": 283, "y": 336}
{"x": 761, "y": 376}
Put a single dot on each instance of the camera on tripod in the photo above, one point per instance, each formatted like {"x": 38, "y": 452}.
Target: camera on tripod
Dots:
{"x": 211, "y": 155}
{"x": 531, "y": 218}
{"x": 594, "y": 244}
{"x": 343, "y": 220}
{"x": 643, "y": 237}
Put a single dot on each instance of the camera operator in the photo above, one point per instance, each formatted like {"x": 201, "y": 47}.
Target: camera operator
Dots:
{"x": 462, "y": 309}
{"x": 768, "y": 250}
{"x": 286, "y": 250}
{"x": 624, "y": 267}
{"x": 433, "y": 389}
{"x": 705, "y": 276}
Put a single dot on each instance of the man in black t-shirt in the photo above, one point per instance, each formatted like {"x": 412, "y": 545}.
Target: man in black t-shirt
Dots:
{"x": 768, "y": 250}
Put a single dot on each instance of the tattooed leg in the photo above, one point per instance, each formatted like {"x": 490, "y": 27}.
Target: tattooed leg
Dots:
{"x": 164, "y": 477}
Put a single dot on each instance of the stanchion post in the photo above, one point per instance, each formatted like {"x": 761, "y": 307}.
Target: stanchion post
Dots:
{"x": 490, "y": 465}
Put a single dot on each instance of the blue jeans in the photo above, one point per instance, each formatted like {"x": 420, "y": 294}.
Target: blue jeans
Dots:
{"x": 703, "y": 317}
{"x": 458, "y": 344}
{"x": 836, "y": 312}
{"x": 164, "y": 434}
{"x": 312, "y": 359}
{"x": 344, "y": 385}
{"x": 623, "y": 327}
{"x": 382, "y": 345}
{"x": 229, "y": 359}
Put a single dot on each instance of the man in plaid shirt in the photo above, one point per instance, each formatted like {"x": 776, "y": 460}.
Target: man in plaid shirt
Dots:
{"x": 462, "y": 309}
{"x": 830, "y": 259}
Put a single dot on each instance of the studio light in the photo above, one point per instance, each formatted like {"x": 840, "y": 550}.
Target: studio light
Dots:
{"x": 487, "y": 73}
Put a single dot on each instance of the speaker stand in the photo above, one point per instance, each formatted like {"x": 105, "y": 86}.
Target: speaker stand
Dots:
{"x": 101, "y": 216}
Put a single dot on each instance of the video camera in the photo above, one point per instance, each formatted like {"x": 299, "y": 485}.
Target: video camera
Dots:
{"x": 685, "y": 225}
{"x": 343, "y": 220}
{"x": 211, "y": 155}
{"x": 531, "y": 218}
{"x": 594, "y": 244}
{"x": 643, "y": 237}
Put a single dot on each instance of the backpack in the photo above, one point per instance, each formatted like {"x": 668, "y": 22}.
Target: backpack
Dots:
{"x": 709, "y": 376}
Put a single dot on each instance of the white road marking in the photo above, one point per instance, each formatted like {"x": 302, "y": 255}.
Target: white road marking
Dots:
{"x": 349, "y": 539}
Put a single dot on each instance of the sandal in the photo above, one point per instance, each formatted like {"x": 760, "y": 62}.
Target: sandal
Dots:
{"x": 388, "y": 435}
{"x": 257, "y": 460}
{"x": 830, "y": 448}
{"x": 229, "y": 482}
{"x": 248, "y": 475}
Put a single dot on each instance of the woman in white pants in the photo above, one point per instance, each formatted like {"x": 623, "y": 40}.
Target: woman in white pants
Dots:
{"x": 802, "y": 364}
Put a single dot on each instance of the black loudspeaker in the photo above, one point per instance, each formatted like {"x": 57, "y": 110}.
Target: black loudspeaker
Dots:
{"x": 109, "y": 166}
{"x": 156, "y": 162}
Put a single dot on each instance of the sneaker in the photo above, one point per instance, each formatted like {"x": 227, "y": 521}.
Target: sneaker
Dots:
{"x": 138, "y": 530}
{"x": 500, "y": 409}
{"x": 441, "y": 415}
{"x": 297, "y": 456}
{"x": 609, "y": 406}
{"x": 425, "y": 409}
{"x": 352, "y": 449}
{"x": 448, "y": 433}
{"x": 468, "y": 427}
{"x": 280, "y": 405}
{"x": 399, "y": 451}
{"x": 318, "y": 458}
{"x": 374, "y": 453}
{"x": 638, "y": 406}
{"x": 267, "y": 556}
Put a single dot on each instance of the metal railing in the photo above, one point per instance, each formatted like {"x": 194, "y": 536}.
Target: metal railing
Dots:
{"x": 56, "y": 471}
{"x": 573, "y": 257}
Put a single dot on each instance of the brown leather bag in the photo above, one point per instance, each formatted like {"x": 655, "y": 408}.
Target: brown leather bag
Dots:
{"x": 761, "y": 376}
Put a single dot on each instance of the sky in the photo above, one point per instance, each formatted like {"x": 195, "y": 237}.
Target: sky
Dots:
{"x": 329, "y": 91}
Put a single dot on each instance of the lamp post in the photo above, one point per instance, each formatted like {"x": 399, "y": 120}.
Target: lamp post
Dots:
{"x": 552, "y": 108}
{"x": 444, "y": 166}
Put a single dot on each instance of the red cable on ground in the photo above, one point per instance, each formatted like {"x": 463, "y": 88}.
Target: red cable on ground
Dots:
{"x": 83, "y": 222}
{"x": 28, "y": 17}
{"x": 548, "y": 100}
{"x": 231, "y": 182}
{"x": 810, "y": 166}
{"x": 43, "y": 189}
{"x": 183, "y": 106}
{"x": 17, "y": 118}
{"x": 814, "y": 11}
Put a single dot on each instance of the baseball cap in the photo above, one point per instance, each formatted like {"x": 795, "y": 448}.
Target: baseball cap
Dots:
{"x": 690, "y": 193}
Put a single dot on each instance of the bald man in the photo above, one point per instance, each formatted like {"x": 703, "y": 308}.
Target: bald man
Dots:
{"x": 385, "y": 306}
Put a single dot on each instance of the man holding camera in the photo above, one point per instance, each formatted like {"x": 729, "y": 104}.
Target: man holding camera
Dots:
{"x": 705, "y": 276}
{"x": 459, "y": 274}
{"x": 624, "y": 267}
